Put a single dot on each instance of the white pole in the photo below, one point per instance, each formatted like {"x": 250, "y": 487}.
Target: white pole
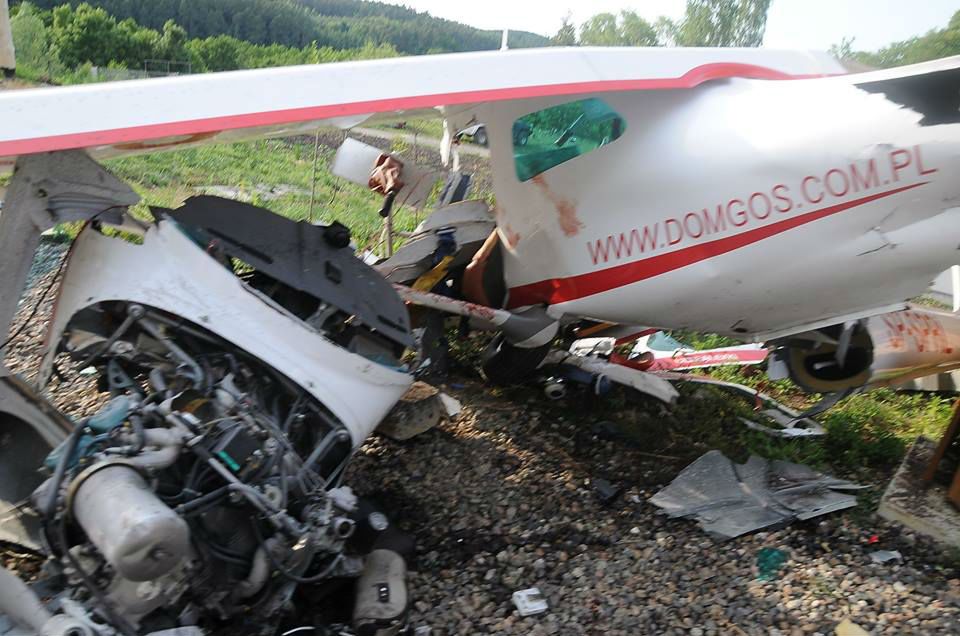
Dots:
{"x": 7, "y": 60}
{"x": 503, "y": 40}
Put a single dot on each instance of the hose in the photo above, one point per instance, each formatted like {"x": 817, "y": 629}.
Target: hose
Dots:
{"x": 119, "y": 622}
{"x": 20, "y": 603}
{"x": 287, "y": 574}
{"x": 69, "y": 446}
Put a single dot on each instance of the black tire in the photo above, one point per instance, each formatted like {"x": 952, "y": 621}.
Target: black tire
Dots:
{"x": 502, "y": 363}
{"x": 480, "y": 137}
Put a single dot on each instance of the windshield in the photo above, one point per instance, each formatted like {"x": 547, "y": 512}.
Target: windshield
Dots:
{"x": 546, "y": 138}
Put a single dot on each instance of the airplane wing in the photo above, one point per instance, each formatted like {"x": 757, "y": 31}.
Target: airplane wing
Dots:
{"x": 113, "y": 119}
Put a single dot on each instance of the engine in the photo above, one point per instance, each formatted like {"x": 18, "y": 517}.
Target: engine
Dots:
{"x": 206, "y": 496}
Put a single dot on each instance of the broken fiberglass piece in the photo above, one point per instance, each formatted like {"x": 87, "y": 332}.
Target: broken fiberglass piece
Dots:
{"x": 782, "y": 421}
{"x": 730, "y": 499}
{"x": 313, "y": 259}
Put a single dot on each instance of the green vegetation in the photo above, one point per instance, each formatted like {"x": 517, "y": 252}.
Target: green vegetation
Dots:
{"x": 741, "y": 23}
{"x": 64, "y": 43}
{"x": 705, "y": 23}
{"x": 166, "y": 179}
{"x": 935, "y": 44}
{"x": 868, "y": 430}
{"x": 337, "y": 24}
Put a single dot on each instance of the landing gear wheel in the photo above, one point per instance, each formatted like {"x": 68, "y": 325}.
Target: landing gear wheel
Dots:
{"x": 503, "y": 364}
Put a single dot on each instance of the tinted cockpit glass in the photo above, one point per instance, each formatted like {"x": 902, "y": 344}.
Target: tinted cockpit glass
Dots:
{"x": 549, "y": 137}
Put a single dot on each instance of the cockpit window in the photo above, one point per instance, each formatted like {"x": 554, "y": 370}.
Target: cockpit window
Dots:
{"x": 551, "y": 136}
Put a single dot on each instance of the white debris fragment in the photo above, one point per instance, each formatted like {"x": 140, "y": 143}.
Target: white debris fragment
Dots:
{"x": 530, "y": 602}
{"x": 451, "y": 405}
{"x": 883, "y": 556}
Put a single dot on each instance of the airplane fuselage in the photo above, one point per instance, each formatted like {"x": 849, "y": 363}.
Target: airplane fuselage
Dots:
{"x": 746, "y": 207}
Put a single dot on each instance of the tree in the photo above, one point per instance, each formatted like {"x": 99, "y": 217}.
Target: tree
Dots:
{"x": 635, "y": 31}
{"x": 85, "y": 35}
{"x": 31, "y": 38}
{"x": 607, "y": 29}
{"x": 930, "y": 46}
{"x": 723, "y": 23}
{"x": 567, "y": 35}
{"x": 600, "y": 30}
{"x": 172, "y": 42}
{"x": 843, "y": 50}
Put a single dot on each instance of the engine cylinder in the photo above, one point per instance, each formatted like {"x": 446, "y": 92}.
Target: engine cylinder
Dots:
{"x": 136, "y": 533}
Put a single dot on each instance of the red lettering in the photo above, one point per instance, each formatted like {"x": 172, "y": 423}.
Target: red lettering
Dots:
{"x": 670, "y": 240}
{"x": 837, "y": 192}
{"x": 781, "y": 194}
{"x": 872, "y": 179}
{"x": 766, "y": 201}
{"x": 923, "y": 172}
{"x": 806, "y": 192}
{"x": 622, "y": 245}
{"x": 741, "y": 214}
{"x": 719, "y": 222}
{"x": 686, "y": 225}
{"x": 898, "y": 166}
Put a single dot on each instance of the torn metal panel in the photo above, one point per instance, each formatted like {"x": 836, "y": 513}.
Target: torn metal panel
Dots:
{"x": 672, "y": 355}
{"x": 792, "y": 423}
{"x": 730, "y": 499}
{"x": 310, "y": 258}
{"x": 525, "y": 329}
{"x": 640, "y": 380}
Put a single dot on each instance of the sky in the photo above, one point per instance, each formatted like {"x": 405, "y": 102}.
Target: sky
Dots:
{"x": 791, "y": 24}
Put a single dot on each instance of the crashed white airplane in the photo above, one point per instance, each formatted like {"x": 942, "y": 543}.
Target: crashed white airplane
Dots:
{"x": 760, "y": 194}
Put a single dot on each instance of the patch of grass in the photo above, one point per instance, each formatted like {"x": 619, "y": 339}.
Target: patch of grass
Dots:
{"x": 428, "y": 127}
{"x": 870, "y": 430}
{"x": 866, "y": 434}
{"x": 166, "y": 179}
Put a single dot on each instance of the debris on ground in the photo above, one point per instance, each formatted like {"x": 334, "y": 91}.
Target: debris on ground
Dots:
{"x": 451, "y": 405}
{"x": 781, "y": 420}
{"x": 419, "y": 410}
{"x": 731, "y": 499}
{"x": 497, "y": 502}
{"x": 769, "y": 562}
{"x": 606, "y": 491}
{"x": 849, "y": 628}
{"x": 529, "y": 602}
{"x": 919, "y": 505}
{"x": 884, "y": 556}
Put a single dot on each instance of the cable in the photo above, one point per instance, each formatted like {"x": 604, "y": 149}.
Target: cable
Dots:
{"x": 69, "y": 446}
{"x": 119, "y": 622}
{"x": 46, "y": 291}
{"x": 305, "y": 580}
{"x": 36, "y": 307}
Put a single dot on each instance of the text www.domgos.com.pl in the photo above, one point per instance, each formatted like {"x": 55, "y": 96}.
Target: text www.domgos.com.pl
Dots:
{"x": 762, "y": 207}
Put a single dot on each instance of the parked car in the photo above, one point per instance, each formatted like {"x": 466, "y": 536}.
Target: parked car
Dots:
{"x": 478, "y": 133}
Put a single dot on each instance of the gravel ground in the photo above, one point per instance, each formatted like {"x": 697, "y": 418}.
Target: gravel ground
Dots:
{"x": 502, "y": 500}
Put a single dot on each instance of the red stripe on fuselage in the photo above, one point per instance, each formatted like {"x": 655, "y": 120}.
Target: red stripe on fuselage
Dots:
{"x": 559, "y": 290}
{"x": 111, "y": 136}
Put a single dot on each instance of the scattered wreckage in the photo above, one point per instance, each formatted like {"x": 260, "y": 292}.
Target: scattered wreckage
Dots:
{"x": 730, "y": 499}
{"x": 209, "y": 490}
{"x": 247, "y": 357}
